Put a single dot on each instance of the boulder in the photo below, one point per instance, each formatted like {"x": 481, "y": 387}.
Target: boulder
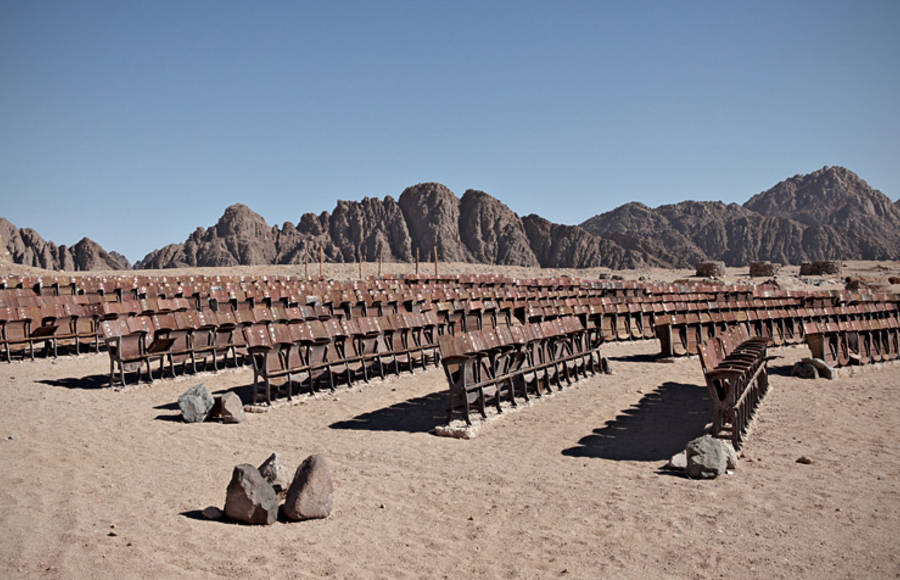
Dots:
{"x": 309, "y": 496}
{"x": 232, "y": 409}
{"x": 250, "y": 499}
{"x": 276, "y": 472}
{"x": 804, "y": 370}
{"x": 823, "y": 369}
{"x": 706, "y": 457}
{"x": 711, "y": 269}
{"x": 196, "y": 404}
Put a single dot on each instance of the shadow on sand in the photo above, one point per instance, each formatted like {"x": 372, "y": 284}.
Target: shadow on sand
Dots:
{"x": 656, "y": 428}
{"x": 88, "y": 382}
{"x": 418, "y": 415}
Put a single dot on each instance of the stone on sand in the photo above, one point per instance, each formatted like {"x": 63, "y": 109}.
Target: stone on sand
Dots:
{"x": 309, "y": 496}
{"x": 250, "y": 498}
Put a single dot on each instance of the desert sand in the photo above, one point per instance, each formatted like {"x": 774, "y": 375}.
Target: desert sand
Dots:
{"x": 109, "y": 483}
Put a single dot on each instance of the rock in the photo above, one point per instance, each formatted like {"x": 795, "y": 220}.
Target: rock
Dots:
{"x": 232, "y": 409}
{"x": 196, "y": 404}
{"x": 309, "y": 495}
{"x": 731, "y": 456}
{"x": 804, "y": 460}
{"x": 678, "y": 461}
{"x": 764, "y": 269}
{"x": 820, "y": 268}
{"x": 706, "y": 457}
{"x": 823, "y": 369}
{"x": 276, "y": 472}
{"x": 212, "y": 513}
{"x": 250, "y": 498}
{"x": 804, "y": 370}
{"x": 711, "y": 269}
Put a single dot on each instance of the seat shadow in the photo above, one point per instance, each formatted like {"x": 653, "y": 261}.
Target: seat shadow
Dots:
{"x": 418, "y": 415}
{"x": 88, "y": 382}
{"x": 641, "y": 358}
{"x": 656, "y": 428}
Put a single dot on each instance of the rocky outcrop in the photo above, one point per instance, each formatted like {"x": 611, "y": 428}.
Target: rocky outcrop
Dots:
{"x": 432, "y": 216}
{"x": 492, "y": 232}
{"x": 25, "y": 246}
{"x": 828, "y": 214}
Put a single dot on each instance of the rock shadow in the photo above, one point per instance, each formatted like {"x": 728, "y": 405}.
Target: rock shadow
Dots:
{"x": 656, "y": 428}
{"x": 417, "y": 415}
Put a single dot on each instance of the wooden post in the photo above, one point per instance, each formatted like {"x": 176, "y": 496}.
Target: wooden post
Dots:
{"x": 435, "y": 261}
{"x": 321, "y": 257}
{"x": 380, "y": 250}
{"x": 306, "y": 264}
{"x": 417, "y": 261}
{"x": 359, "y": 261}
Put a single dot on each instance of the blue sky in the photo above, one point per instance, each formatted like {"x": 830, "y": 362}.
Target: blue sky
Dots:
{"x": 134, "y": 122}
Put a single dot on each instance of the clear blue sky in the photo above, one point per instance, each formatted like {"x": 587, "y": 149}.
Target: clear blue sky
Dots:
{"x": 134, "y": 122}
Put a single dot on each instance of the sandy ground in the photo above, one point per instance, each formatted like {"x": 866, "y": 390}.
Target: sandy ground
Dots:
{"x": 571, "y": 486}
{"x": 109, "y": 483}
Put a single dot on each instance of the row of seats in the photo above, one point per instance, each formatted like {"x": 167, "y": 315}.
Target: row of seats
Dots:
{"x": 487, "y": 367}
{"x": 680, "y": 335}
{"x": 841, "y": 343}
{"x": 734, "y": 366}
{"x": 278, "y": 349}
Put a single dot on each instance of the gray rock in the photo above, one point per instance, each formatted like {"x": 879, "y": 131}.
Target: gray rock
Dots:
{"x": 232, "y": 409}
{"x": 825, "y": 371}
{"x": 804, "y": 370}
{"x": 250, "y": 498}
{"x": 276, "y": 472}
{"x": 196, "y": 404}
{"x": 731, "y": 456}
{"x": 678, "y": 461}
{"x": 212, "y": 513}
{"x": 309, "y": 496}
{"x": 706, "y": 457}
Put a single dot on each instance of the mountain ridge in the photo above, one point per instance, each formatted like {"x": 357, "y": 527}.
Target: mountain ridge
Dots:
{"x": 830, "y": 213}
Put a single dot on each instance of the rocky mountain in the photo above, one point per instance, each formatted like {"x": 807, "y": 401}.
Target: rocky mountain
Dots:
{"x": 25, "y": 246}
{"x": 474, "y": 228}
{"x": 828, "y": 214}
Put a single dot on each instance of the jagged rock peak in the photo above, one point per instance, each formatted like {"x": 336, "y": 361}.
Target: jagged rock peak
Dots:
{"x": 25, "y": 246}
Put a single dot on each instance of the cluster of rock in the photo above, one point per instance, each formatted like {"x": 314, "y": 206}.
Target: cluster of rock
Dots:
{"x": 197, "y": 405}
{"x": 705, "y": 457}
{"x": 254, "y": 494}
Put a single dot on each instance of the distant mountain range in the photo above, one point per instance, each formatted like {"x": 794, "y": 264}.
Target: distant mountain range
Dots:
{"x": 828, "y": 214}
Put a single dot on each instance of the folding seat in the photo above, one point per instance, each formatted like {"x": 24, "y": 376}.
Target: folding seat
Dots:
{"x": 16, "y": 335}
